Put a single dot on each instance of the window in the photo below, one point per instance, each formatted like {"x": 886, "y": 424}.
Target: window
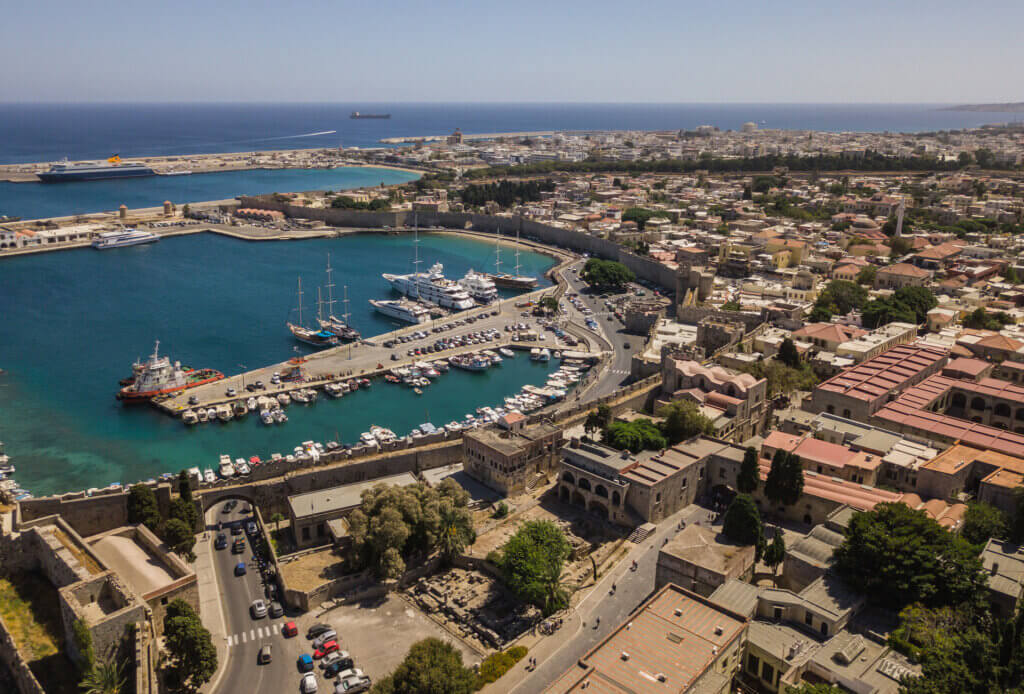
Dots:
{"x": 657, "y": 498}
{"x": 753, "y": 663}
{"x": 305, "y": 533}
{"x": 163, "y": 600}
{"x": 767, "y": 673}
{"x": 846, "y": 413}
{"x": 808, "y": 619}
{"x": 684, "y": 483}
{"x": 777, "y": 614}
{"x": 824, "y": 629}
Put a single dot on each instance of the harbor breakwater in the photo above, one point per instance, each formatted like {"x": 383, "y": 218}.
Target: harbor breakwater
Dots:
{"x": 645, "y": 268}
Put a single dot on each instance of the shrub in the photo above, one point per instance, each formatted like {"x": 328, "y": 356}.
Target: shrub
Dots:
{"x": 497, "y": 664}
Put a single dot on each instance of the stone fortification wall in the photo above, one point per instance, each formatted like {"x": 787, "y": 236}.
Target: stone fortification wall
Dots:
{"x": 645, "y": 268}
{"x": 89, "y": 515}
{"x": 695, "y": 314}
{"x": 16, "y": 663}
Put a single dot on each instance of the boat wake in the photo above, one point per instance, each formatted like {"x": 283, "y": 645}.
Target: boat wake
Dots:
{"x": 295, "y": 137}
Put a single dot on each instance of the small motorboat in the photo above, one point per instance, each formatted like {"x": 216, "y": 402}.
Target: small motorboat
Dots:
{"x": 418, "y": 391}
{"x": 267, "y": 416}
{"x": 506, "y": 352}
{"x": 280, "y": 417}
{"x": 201, "y": 415}
{"x": 189, "y": 417}
{"x": 240, "y": 409}
{"x": 284, "y": 398}
{"x": 209, "y": 477}
{"x": 251, "y": 403}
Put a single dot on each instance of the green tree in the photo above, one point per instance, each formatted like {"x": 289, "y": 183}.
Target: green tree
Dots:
{"x": 104, "y": 678}
{"x": 189, "y": 645}
{"x": 606, "y": 274}
{"x": 866, "y": 276}
{"x": 731, "y": 306}
{"x": 897, "y": 556}
{"x": 184, "y": 486}
{"x": 749, "y": 475}
{"x": 430, "y": 667}
{"x": 1010, "y": 275}
{"x": 742, "y": 523}
{"x": 683, "y": 420}
{"x": 788, "y": 354}
{"x": 185, "y": 511}
{"x": 785, "y": 481}
{"x": 276, "y": 520}
{"x": 142, "y": 507}
{"x": 899, "y": 246}
{"x": 598, "y": 420}
{"x": 775, "y": 553}
{"x": 83, "y": 642}
{"x": 638, "y": 435}
{"x": 180, "y": 538}
{"x": 550, "y": 303}
{"x": 815, "y": 688}
{"x": 982, "y": 522}
{"x": 455, "y": 529}
{"x": 907, "y": 305}
{"x": 839, "y": 297}
{"x": 531, "y": 564}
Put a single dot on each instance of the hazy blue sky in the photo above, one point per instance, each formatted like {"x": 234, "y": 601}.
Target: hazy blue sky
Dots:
{"x": 515, "y": 50}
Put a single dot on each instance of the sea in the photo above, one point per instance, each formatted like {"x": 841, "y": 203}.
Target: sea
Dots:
{"x": 74, "y": 321}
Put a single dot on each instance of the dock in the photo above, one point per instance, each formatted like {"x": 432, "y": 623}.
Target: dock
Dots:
{"x": 367, "y": 358}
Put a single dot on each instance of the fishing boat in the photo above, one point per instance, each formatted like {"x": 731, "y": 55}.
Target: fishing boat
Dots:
{"x": 283, "y": 399}
{"x": 330, "y": 322}
{"x": 201, "y": 415}
{"x": 158, "y": 376}
{"x": 267, "y": 416}
{"x": 280, "y": 417}
{"x": 317, "y": 338}
{"x": 189, "y": 417}
{"x": 240, "y": 409}
{"x": 224, "y": 413}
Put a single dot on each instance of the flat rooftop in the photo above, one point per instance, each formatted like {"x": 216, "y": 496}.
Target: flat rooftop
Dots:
{"x": 140, "y": 568}
{"x": 673, "y": 633}
{"x": 343, "y": 497}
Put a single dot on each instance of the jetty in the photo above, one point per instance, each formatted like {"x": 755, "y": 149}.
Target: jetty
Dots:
{"x": 465, "y": 136}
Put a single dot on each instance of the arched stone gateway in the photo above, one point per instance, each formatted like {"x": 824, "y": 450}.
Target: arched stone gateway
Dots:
{"x": 563, "y": 493}
{"x": 597, "y": 507}
{"x": 601, "y": 491}
{"x": 584, "y": 484}
{"x": 211, "y": 497}
{"x": 578, "y": 499}
{"x": 567, "y": 477}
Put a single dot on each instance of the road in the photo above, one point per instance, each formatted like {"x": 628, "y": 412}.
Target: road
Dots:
{"x": 603, "y": 610}
{"x": 244, "y": 635}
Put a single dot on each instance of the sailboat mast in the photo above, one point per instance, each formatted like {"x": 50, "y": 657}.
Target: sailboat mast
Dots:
{"x": 330, "y": 288}
{"x": 300, "y": 301}
{"x": 416, "y": 257}
{"x": 517, "y": 253}
{"x": 497, "y": 253}
{"x": 319, "y": 305}
{"x": 346, "y": 314}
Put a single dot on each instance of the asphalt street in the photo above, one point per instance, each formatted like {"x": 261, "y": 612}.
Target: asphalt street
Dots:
{"x": 604, "y": 609}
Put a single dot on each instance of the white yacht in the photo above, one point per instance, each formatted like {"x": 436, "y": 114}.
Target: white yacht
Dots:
{"x": 403, "y": 310}
{"x": 480, "y": 287}
{"x": 432, "y": 286}
{"x": 123, "y": 237}
{"x": 226, "y": 468}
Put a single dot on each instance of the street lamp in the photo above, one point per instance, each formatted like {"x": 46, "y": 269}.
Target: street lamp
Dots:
{"x": 243, "y": 367}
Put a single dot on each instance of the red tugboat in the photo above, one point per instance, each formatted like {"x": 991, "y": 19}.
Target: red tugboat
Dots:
{"x": 159, "y": 377}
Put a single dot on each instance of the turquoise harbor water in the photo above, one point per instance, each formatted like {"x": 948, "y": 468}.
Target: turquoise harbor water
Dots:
{"x": 73, "y": 322}
{"x": 40, "y": 200}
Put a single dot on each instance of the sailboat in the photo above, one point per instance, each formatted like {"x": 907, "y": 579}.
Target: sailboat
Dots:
{"x": 317, "y": 338}
{"x": 504, "y": 279}
{"x": 333, "y": 324}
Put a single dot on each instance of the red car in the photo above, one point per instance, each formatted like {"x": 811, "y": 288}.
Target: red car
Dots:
{"x": 328, "y": 647}
{"x": 290, "y": 629}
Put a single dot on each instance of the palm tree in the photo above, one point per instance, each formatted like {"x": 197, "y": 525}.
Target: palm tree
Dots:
{"x": 454, "y": 530}
{"x": 276, "y": 520}
{"x": 104, "y": 678}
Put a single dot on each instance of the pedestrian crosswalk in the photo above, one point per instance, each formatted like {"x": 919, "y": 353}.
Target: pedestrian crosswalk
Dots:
{"x": 260, "y": 633}
{"x": 620, "y": 372}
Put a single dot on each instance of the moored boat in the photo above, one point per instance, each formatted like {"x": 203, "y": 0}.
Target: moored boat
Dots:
{"x": 158, "y": 376}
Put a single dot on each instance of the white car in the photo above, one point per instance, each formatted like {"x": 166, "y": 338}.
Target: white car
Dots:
{"x": 308, "y": 684}
{"x": 352, "y": 682}
{"x": 258, "y": 609}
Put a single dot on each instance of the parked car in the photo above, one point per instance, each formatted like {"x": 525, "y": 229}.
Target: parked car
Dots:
{"x": 290, "y": 630}
{"x": 264, "y": 656}
{"x": 305, "y": 662}
{"x": 221, "y": 542}
{"x": 308, "y": 685}
{"x": 324, "y": 637}
{"x": 328, "y": 647}
{"x": 251, "y": 528}
{"x": 340, "y": 664}
{"x": 236, "y": 528}
{"x": 276, "y": 610}
{"x": 352, "y": 682}
{"x": 317, "y": 629}
{"x": 258, "y": 608}
{"x": 240, "y": 568}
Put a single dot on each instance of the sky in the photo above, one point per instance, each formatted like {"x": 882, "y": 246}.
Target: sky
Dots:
{"x": 680, "y": 51}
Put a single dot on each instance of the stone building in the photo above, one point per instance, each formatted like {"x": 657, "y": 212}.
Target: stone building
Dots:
{"x": 701, "y": 559}
{"x": 736, "y": 402}
{"x": 508, "y": 460}
{"x": 714, "y": 334}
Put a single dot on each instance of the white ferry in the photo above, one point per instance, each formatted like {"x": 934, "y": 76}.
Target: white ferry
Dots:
{"x": 123, "y": 237}
{"x": 432, "y": 286}
{"x": 402, "y": 310}
{"x": 480, "y": 287}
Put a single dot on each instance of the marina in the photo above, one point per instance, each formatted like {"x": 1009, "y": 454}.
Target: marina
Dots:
{"x": 218, "y": 303}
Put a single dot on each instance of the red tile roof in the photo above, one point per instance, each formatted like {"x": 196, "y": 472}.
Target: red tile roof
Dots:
{"x": 891, "y": 369}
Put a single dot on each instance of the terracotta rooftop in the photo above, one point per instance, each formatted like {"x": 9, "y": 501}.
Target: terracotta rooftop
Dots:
{"x": 830, "y": 332}
{"x": 966, "y": 365}
{"x": 904, "y": 270}
{"x": 891, "y": 369}
{"x": 857, "y": 496}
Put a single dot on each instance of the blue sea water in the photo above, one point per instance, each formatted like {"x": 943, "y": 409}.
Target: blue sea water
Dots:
{"x": 47, "y": 132}
{"x": 39, "y": 200}
{"x": 74, "y": 321}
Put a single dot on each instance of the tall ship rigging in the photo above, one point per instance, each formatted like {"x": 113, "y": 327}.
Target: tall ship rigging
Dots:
{"x": 317, "y": 338}
{"x": 158, "y": 376}
{"x": 339, "y": 326}
{"x": 504, "y": 279}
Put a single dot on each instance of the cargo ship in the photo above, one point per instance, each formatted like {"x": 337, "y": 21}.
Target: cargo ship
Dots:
{"x": 358, "y": 115}
{"x": 159, "y": 377}
{"x": 68, "y": 173}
